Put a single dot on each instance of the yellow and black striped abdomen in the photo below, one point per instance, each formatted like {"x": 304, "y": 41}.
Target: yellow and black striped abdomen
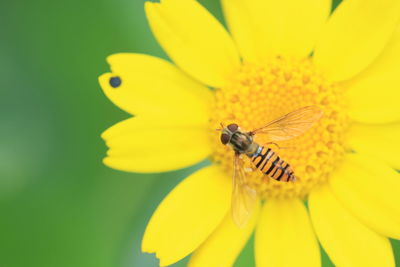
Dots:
{"x": 269, "y": 163}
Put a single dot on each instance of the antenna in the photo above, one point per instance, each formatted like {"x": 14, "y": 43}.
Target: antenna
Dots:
{"x": 222, "y": 127}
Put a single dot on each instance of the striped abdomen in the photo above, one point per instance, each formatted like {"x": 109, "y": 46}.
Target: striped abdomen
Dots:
{"x": 269, "y": 163}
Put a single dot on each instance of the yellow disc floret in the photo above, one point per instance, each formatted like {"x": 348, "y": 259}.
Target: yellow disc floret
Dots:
{"x": 259, "y": 93}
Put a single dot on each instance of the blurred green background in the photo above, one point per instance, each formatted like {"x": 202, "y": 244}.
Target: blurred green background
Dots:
{"x": 60, "y": 206}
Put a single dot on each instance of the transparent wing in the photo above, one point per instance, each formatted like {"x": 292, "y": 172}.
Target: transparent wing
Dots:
{"x": 292, "y": 124}
{"x": 243, "y": 196}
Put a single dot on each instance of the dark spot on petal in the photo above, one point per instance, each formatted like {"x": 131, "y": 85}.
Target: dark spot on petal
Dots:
{"x": 233, "y": 127}
{"x": 115, "y": 81}
{"x": 225, "y": 138}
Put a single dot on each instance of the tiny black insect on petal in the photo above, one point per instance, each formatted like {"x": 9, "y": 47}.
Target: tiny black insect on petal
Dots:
{"x": 115, "y": 81}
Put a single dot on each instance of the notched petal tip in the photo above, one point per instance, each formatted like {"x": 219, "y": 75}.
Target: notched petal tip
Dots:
{"x": 110, "y": 132}
{"x": 153, "y": 248}
{"x": 104, "y": 135}
{"x": 162, "y": 261}
{"x": 146, "y": 247}
{"x": 183, "y": 220}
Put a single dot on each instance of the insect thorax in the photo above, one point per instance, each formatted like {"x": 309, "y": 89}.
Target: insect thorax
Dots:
{"x": 242, "y": 142}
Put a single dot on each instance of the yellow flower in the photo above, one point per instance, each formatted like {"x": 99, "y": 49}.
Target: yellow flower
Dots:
{"x": 280, "y": 56}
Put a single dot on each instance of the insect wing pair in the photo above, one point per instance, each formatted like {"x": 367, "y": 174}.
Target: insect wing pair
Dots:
{"x": 284, "y": 128}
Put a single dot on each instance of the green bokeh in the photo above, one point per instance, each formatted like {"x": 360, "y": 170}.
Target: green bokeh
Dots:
{"x": 60, "y": 206}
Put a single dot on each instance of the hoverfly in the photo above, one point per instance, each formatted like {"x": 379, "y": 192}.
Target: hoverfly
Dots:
{"x": 263, "y": 158}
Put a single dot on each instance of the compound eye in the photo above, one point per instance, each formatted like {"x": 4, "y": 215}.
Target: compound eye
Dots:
{"x": 233, "y": 127}
{"x": 225, "y": 138}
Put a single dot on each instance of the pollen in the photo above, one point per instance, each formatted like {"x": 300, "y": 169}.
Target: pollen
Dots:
{"x": 259, "y": 93}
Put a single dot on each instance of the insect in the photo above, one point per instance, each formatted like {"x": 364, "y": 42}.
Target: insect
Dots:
{"x": 263, "y": 158}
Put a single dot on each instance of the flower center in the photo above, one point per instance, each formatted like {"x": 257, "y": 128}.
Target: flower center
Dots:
{"x": 258, "y": 94}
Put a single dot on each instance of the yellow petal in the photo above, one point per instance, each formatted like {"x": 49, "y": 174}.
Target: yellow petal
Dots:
{"x": 153, "y": 87}
{"x": 374, "y": 94}
{"x": 347, "y": 241}
{"x": 225, "y": 244}
{"x": 355, "y": 35}
{"x": 381, "y": 141}
{"x": 193, "y": 39}
{"x": 188, "y": 215}
{"x": 284, "y": 236}
{"x": 263, "y": 28}
{"x": 369, "y": 189}
{"x": 141, "y": 144}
